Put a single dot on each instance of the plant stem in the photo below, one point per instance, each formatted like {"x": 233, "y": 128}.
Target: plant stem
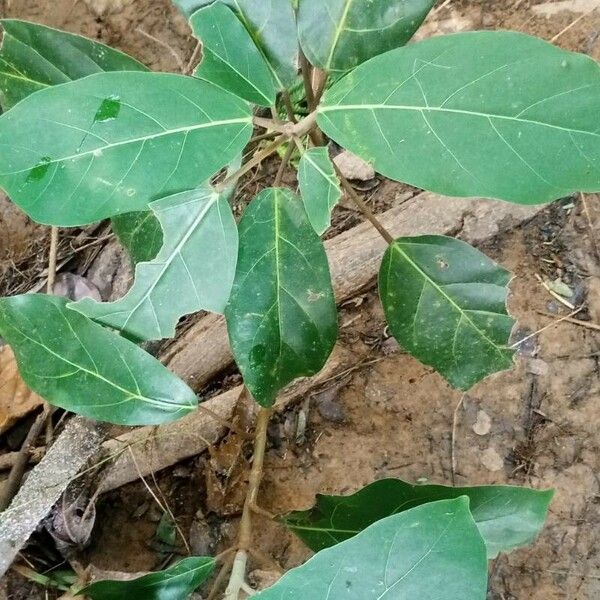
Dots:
{"x": 238, "y": 572}
{"x": 18, "y": 469}
{"x": 284, "y": 162}
{"x": 306, "y": 69}
{"x": 256, "y": 160}
{"x": 289, "y": 108}
{"x": 52, "y": 260}
{"x": 322, "y": 77}
{"x": 385, "y": 234}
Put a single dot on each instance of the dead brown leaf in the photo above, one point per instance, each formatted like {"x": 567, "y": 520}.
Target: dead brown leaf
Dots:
{"x": 16, "y": 399}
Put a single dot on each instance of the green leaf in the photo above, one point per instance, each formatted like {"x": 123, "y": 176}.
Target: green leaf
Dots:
{"x": 281, "y": 317}
{"x": 175, "y": 583}
{"x": 507, "y": 517}
{"x": 230, "y": 58}
{"x": 445, "y": 303}
{"x": 34, "y": 57}
{"x": 113, "y": 142}
{"x": 272, "y": 26}
{"x": 495, "y": 114}
{"x": 338, "y": 35}
{"x": 430, "y": 552}
{"x": 193, "y": 271}
{"x": 319, "y": 187}
{"x": 73, "y": 363}
{"x": 140, "y": 233}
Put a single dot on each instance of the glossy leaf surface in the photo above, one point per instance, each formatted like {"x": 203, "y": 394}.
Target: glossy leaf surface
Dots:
{"x": 490, "y": 113}
{"x": 271, "y": 23}
{"x": 230, "y": 57}
{"x": 338, "y": 35}
{"x": 507, "y": 517}
{"x": 174, "y": 583}
{"x": 34, "y": 57}
{"x": 281, "y": 317}
{"x": 140, "y": 233}
{"x": 84, "y": 368}
{"x": 113, "y": 142}
{"x": 319, "y": 187}
{"x": 445, "y": 303}
{"x": 430, "y": 552}
{"x": 193, "y": 271}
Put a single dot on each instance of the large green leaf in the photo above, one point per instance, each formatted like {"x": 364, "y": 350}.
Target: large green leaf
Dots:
{"x": 193, "y": 271}
{"x": 82, "y": 367}
{"x": 338, "y": 35}
{"x": 281, "y": 317}
{"x": 175, "y": 583}
{"x": 430, "y": 552}
{"x": 445, "y": 303}
{"x": 271, "y": 23}
{"x": 319, "y": 186}
{"x": 507, "y": 517}
{"x": 34, "y": 57}
{"x": 230, "y": 57}
{"x": 494, "y": 114}
{"x": 112, "y": 142}
{"x": 140, "y": 233}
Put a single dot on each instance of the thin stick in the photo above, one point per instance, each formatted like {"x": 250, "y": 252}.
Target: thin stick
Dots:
{"x": 190, "y": 65}
{"x": 264, "y": 136}
{"x": 453, "y": 441}
{"x": 8, "y": 460}
{"x": 366, "y": 211}
{"x": 225, "y": 570}
{"x": 18, "y": 470}
{"x": 164, "y": 507}
{"x": 284, "y": 162}
{"x": 554, "y": 294}
{"x": 441, "y": 7}
{"x": 52, "y": 260}
{"x": 258, "y": 158}
{"x": 572, "y": 24}
{"x": 238, "y": 572}
{"x": 588, "y": 217}
{"x": 556, "y": 322}
{"x": 164, "y": 45}
{"x": 569, "y": 319}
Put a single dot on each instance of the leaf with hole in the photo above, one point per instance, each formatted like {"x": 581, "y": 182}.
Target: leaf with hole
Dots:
{"x": 113, "y": 142}
{"x": 281, "y": 317}
{"x": 82, "y": 367}
{"x": 445, "y": 303}
{"x": 175, "y": 583}
{"x": 414, "y": 554}
{"x": 319, "y": 187}
{"x": 34, "y": 57}
{"x": 338, "y": 35}
{"x": 507, "y": 517}
{"x": 193, "y": 271}
{"x": 272, "y": 26}
{"x": 140, "y": 233}
{"x": 230, "y": 58}
{"x": 490, "y": 113}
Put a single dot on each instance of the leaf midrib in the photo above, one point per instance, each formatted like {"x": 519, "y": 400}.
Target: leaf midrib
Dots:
{"x": 415, "y": 108}
{"x": 143, "y": 139}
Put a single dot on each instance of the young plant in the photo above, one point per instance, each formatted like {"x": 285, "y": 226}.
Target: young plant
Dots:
{"x": 89, "y": 134}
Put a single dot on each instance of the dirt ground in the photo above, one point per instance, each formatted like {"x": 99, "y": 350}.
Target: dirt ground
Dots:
{"x": 391, "y": 417}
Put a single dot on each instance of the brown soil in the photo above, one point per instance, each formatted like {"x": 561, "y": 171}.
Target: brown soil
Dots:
{"x": 392, "y": 417}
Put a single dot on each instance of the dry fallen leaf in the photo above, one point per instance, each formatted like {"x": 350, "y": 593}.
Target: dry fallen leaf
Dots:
{"x": 16, "y": 399}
